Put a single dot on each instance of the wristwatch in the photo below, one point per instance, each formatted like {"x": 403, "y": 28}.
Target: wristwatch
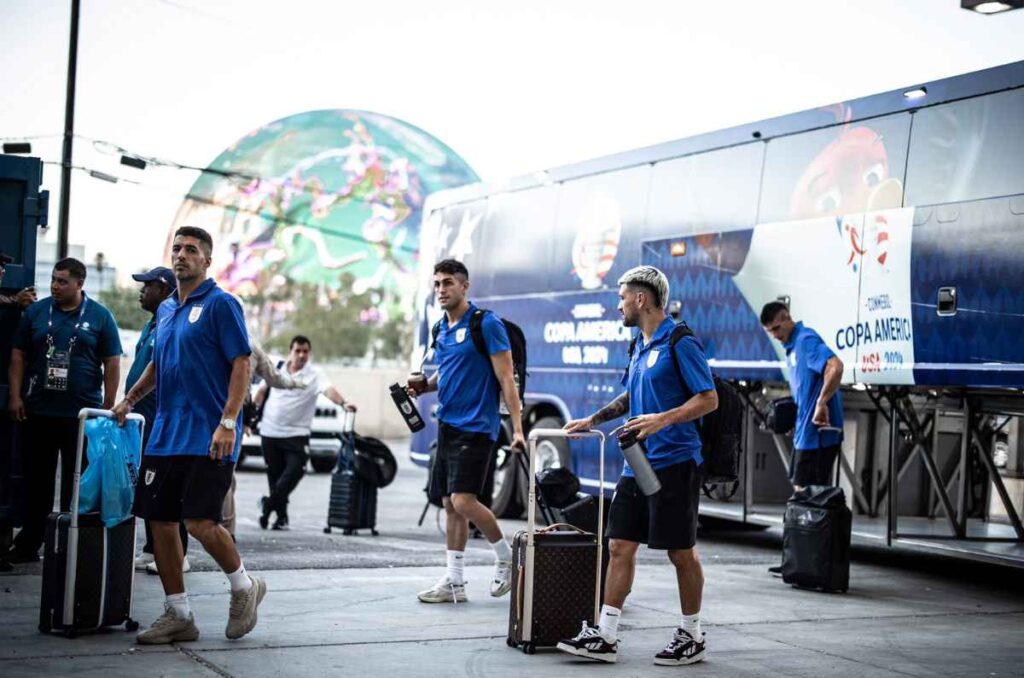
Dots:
{"x": 229, "y": 424}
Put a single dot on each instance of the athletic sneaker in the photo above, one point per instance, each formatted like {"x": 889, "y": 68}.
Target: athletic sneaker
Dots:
{"x": 280, "y": 524}
{"x": 169, "y": 628}
{"x": 152, "y": 568}
{"x": 591, "y": 644}
{"x": 775, "y": 571}
{"x": 242, "y": 613}
{"x": 142, "y": 561}
{"x": 444, "y": 591}
{"x": 682, "y": 650}
{"x": 502, "y": 581}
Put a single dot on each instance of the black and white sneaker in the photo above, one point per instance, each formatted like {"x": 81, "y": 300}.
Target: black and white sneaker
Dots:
{"x": 682, "y": 649}
{"x": 590, "y": 644}
{"x": 775, "y": 571}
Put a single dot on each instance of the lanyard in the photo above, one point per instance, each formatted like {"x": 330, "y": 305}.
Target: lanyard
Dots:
{"x": 74, "y": 334}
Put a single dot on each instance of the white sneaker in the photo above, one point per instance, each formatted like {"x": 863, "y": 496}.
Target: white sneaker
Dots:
{"x": 444, "y": 591}
{"x": 185, "y": 567}
{"x": 143, "y": 561}
{"x": 502, "y": 581}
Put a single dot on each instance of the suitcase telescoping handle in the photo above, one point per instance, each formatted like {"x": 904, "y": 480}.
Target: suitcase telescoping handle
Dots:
{"x": 531, "y": 516}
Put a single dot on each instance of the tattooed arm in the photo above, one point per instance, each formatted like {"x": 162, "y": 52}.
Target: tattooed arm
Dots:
{"x": 612, "y": 410}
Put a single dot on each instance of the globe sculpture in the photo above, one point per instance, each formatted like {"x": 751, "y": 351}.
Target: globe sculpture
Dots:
{"x": 321, "y": 202}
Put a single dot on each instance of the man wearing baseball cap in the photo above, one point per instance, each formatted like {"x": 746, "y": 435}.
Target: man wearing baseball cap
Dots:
{"x": 157, "y": 284}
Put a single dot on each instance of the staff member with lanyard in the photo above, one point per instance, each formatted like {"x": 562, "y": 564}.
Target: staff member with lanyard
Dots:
{"x": 66, "y": 356}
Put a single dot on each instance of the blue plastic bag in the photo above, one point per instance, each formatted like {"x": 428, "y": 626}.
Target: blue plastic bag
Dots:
{"x": 118, "y": 450}
{"x": 91, "y": 485}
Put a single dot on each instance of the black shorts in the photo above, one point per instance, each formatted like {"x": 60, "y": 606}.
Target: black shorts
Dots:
{"x": 666, "y": 520}
{"x": 460, "y": 462}
{"x": 179, "y": 487}
{"x": 813, "y": 467}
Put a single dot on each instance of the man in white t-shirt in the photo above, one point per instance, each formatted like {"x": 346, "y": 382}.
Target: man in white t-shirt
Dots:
{"x": 285, "y": 426}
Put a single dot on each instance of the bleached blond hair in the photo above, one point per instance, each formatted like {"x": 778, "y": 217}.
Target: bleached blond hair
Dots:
{"x": 650, "y": 278}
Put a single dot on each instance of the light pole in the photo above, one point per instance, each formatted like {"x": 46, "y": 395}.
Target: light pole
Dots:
{"x": 69, "y": 133}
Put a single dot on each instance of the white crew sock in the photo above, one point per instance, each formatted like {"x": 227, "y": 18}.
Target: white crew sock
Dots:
{"x": 240, "y": 580}
{"x": 456, "y": 566}
{"x": 691, "y": 624}
{"x": 179, "y": 603}
{"x": 609, "y": 624}
{"x": 502, "y": 551}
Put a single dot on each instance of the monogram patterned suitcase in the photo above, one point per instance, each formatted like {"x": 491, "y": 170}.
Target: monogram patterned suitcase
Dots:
{"x": 555, "y": 581}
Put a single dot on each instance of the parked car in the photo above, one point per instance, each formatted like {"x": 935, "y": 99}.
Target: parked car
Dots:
{"x": 324, "y": 443}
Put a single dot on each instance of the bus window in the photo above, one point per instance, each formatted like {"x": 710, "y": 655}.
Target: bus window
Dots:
{"x": 705, "y": 192}
{"x": 517, "y": 236}
{"x": 967, "y": 150}
{"x": 845, "y": 169}
{"x": 599, "y": 229}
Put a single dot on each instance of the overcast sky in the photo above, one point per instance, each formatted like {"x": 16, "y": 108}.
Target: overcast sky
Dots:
{"x": 513, "y": 87}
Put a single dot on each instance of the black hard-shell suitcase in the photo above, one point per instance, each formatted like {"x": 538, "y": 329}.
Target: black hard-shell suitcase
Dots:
{"x": 555, "y": 573}
{"x": 353, "y": 501}
{"x": 816, "y": 539}
{"x": 88, "y": 569}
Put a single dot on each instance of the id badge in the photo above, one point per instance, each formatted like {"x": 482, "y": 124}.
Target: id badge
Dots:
{"x": 57, "y": 365}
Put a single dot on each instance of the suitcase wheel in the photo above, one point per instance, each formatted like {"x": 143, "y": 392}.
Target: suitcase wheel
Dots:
{"x": 327, "y": 530}
{"x": 529, "y": 648}
{"x": 374, "y": 532}
{"x": 69, "y": 633}
{"x": 131, "y": 625}
{"x": 510, "y": 642}
{"x": 44, "y": 627}
{"x": 348, "y": 532}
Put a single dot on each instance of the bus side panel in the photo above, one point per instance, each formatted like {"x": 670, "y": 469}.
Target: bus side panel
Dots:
{"x": 700, "y": 271}
{"x": 974, "y": 247}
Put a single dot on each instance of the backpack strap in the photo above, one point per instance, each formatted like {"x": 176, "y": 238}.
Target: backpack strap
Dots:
{"x": 476, "y": 331}
{"x": 680, "y": 331}
{"x": 630, "y": 352}
{"x": 434, "y": 331}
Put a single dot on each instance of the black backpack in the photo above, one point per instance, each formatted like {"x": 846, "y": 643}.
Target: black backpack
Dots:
{"x": 721, "y": 431}
{"x": 516, "y": 341}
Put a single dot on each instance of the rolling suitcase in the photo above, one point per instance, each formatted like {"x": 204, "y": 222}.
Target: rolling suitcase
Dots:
{"x": 555, "y": 574}
{"x": 88, "y": 569}
{"x": 353, "y": 501}
{"x": 816, "y": 539}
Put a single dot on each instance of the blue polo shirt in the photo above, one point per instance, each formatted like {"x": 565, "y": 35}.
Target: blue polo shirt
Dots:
{"x": 196, "y": 341}
{"x": 806, "y": 355}
{"x": 654, "y": 387}
{"x": 467, "y": 390}
{"x": 97, "y": 339}
{"x": 143, "y": 356}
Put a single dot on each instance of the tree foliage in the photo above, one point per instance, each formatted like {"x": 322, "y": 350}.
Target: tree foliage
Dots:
{"x": 123, "y": 303}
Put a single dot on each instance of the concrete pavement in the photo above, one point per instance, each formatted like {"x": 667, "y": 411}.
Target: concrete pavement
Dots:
{"x": 341, "y": 604}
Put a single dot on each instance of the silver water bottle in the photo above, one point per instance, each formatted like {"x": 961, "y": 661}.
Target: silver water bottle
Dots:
{"x": 635, "y": 452}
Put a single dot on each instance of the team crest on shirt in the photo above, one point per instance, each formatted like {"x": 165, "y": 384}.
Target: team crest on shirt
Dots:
{"x": 460, "y": 335}
{"x": 194, "y": 313}
{"x": 150, "y": 476}
{"x": 652, "y": 358}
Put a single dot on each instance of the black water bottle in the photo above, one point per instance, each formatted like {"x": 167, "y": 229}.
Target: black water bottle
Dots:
{"x": 407, "y": 408}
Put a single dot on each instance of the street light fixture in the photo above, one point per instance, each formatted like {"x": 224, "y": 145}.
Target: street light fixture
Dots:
{"x": 20, "y": 147}
{"x": 991, "y": 6}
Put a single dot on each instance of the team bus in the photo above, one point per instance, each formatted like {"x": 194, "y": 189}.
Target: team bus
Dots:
{"x": 892, "y": 224}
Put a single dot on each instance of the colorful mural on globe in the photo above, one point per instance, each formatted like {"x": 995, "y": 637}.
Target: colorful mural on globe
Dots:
{"x": 321, "y": 200}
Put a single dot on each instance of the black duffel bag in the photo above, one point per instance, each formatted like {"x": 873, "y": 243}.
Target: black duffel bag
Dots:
{"x": 781, "y": 417}
{"x": 373, "y": 461}
{"x": 557, "y": 486}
